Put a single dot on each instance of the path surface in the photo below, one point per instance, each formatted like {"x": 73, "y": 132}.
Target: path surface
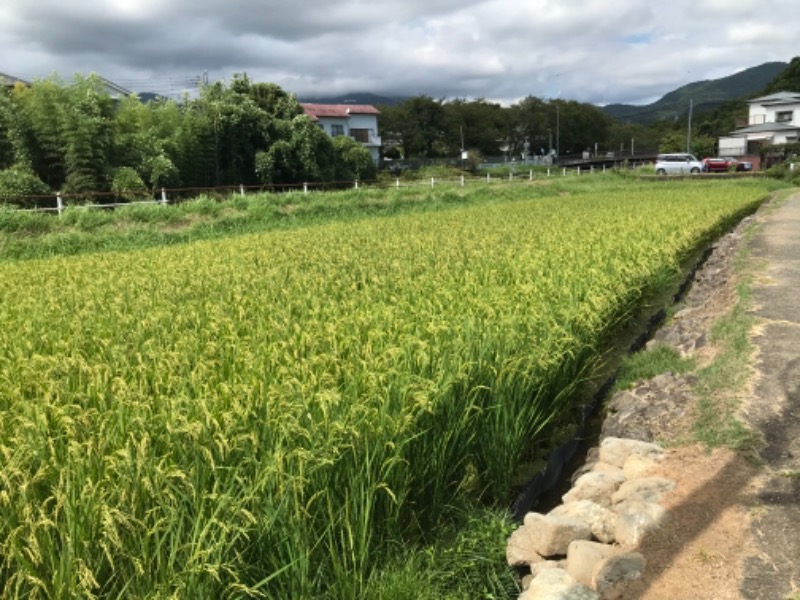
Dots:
{"x": 774, "y": 570}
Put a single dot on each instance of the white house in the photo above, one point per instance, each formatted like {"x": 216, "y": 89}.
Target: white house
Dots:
{"x": 358, "y": 121}
{"x": 773, "y": 119}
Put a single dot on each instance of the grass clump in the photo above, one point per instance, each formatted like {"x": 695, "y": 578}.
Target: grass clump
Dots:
{"x": 648, "y": 364}
{"x": 470, "y": 565}
{"x": 716, "y": 424}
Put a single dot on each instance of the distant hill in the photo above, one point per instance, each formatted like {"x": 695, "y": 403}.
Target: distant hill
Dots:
{"x": 354, "y": 98}
{"x": 705, "y": 95}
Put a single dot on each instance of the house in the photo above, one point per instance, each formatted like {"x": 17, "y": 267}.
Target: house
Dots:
{"x": 10, "y": 81}
{"x": 116, "y": 92}
{"x": 773, "y": 119}
{"x": 358, "y": 121}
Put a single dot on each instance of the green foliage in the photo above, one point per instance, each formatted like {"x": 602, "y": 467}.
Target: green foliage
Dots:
{"x": 128, "y": 185}
{"x": 7, "y": 157}
{"x": 648, "y": 364}
{"x": 702, "y": 146}
{"x": 788, "y": 80}
{"x": 163, "y": 172}
{"x": 87, "y": 126}
{"x": 353, "y": 160}
{"x": 468, "y": 563}
{"x": 28, "y": 223}
{"x": 19, "y": 182}
{"x": 418, "y": 124}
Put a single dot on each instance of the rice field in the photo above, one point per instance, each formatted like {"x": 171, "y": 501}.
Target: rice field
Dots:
{"x": 268, "y": 415}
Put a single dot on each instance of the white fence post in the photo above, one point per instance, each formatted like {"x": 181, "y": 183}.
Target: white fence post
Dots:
{"x": 511, "y": 176}
{"x": 530, "y": 175}
{"x": 305, "y": 187}
{"x": 462, "y": 178}
{"x": 433, "y": 182}
{"x": 564, "y": 172}
{"x": 59, "y": 203}
{"x": 397, "y": 183}
{"x": 163, "y": 196}
{"x": 356, "y": 183}
{"x": 488, "y": 178}
{"x": 548, "y": 171}
{"x": 241, "y": 189}
{"x": 579, "y": 170}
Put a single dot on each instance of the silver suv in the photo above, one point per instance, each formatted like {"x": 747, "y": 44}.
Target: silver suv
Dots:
{"x": 677, "y": 164}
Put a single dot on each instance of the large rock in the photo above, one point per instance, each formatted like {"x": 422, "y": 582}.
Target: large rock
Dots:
{"x": 637, "y": 466}
{"x": 520, "y": 550}
{"x": 616, "y": 451}
{"x": 595, "y": 486}
{"x": 600, "y": 519}
{"x": 604, "y": 467}
{"x": 616, "y": 569}
{"x": 551, "y": 536}
{"x": 646, "y": 489}
{"x": 556, "y": 584}
{"x": 583, "y": 557}
{"x": 635, "y": 519}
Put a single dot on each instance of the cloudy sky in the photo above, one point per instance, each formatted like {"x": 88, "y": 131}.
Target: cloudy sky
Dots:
{"x": 599, "y": 51}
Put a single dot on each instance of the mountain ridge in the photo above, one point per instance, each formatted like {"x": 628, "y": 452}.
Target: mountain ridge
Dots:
{"x": 703, "y": 95}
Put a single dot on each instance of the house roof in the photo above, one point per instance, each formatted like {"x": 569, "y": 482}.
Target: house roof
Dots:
{"x": 765, "y": 128}
{"x": 777, "y": 99}
{"x": 341, "y": 111}
{"x": 113, "y": 88}
{"x": 9, "y": 80}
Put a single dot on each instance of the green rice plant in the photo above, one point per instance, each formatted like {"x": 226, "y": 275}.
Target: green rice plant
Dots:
{"x": 273, "y": 414}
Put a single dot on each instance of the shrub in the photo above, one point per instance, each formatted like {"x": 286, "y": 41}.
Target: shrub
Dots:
{"x": 20, "y": 185}
{"x": 127, "y": 185}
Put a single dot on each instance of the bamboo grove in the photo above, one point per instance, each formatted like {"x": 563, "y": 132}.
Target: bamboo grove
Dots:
{"x": 271, "y": 415}
{"x": 73, "y": 137}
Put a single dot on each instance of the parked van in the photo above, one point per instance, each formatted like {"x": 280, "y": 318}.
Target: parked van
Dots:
{"x": 677, "y": 164}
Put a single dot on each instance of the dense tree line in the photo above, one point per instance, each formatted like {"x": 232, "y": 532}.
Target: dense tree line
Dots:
{"x": 424, "y": 127}
{"x": 77, "y": 139}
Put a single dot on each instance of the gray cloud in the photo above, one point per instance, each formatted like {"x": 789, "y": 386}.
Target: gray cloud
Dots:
{"x": 496, "y": 49}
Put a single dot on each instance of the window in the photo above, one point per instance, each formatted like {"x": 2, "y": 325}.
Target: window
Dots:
{"x": 784, "y": 116}
{"x": 360, "y": 135}
{"x": 337, "y": 130}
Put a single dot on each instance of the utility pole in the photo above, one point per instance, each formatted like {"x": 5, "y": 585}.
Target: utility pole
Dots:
{"x": 558, "y": 133}
{"x": 689, "y": 130}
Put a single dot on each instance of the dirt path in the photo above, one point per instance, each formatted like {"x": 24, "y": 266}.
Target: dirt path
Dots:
{"x": 774, "y": 571}
{"x": 734, "y": 530}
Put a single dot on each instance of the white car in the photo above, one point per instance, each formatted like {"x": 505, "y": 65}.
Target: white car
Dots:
{"x": 677, "y": 164}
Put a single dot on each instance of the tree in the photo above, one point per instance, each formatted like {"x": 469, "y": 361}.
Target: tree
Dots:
{"x": 480, "y": 124}
{"x": 788, "y": 80}
{"x": 38, "y": 131}
{"x": 417, "y": 124}
{"x": 353, "y": 161}
{"x": 6, "y": 130}
{"x": 88, "y": 125}
{"x": 307, "y": 155}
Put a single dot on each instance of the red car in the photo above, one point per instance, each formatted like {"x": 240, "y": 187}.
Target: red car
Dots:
{"x": 725, "y": 164}
{"x": 719, "y": 165}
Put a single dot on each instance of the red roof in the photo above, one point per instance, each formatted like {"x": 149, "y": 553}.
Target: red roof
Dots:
{"x": 342, "y": 111}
